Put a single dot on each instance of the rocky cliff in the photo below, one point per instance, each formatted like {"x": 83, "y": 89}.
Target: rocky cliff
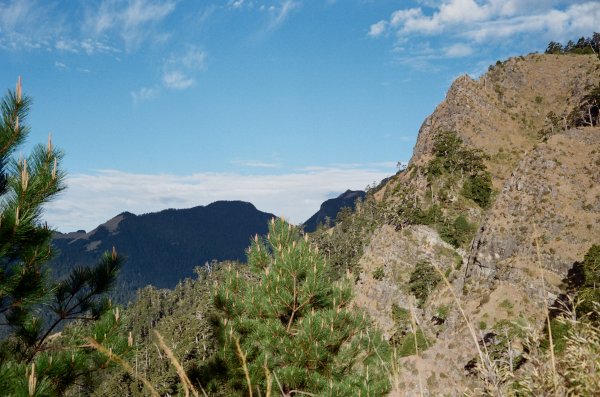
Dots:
{"x": 546, "y": 199}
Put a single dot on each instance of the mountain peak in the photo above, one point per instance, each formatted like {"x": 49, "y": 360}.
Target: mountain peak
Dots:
{"x": 330, "y": 208}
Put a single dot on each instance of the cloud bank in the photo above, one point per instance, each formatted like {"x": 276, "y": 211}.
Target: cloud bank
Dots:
{"x": 461, "y": 26}
{"x": 92, "y": 199}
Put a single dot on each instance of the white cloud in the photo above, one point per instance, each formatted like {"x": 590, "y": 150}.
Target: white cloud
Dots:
{"x": 132, "y": 20}
{"x": 192, "y": 59}
{"x": 279, "y": 13}
{"x": 177, "y": 80}
{"x": 236, "y": 3}
{"x": 458, "y": 50}
{"x": 60, "y": 65}
{"x": 460, "y": 25}
{"x": 144, "y": 94}
{"x": 25, "y": 25}
{"x": 16, "y": 14}
{"x": 256, "y": 164}
{"x": 377, "y": 29}
{"x": 179, "y": 70}
{"x": 92, "y": 199}
{"x": 66, "y": 45}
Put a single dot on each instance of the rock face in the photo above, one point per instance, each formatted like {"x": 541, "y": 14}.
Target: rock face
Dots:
{"x": 546, "y": 198}
{"x": 502, "y": 112}
{"x": 397, "y": 253}
{"x": 552, "y": 198}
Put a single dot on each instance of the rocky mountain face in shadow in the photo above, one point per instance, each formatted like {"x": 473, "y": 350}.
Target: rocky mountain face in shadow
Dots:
{"x": 163, "y": 248}
{"x": 330, "y": 208}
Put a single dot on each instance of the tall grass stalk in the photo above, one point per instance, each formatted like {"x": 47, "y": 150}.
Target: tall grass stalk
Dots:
{"x": 545, "y": 300}
{"x": 242, "y": 357}
{"x": 463, "y": 314}
{"x": 413, "y": 323}
{"x": 185, "y": 381}
{"x": 118, "y": 360}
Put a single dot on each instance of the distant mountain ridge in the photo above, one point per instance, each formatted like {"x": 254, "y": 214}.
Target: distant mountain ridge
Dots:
{"x": 330, "y": 208}
{"x": 163, "y": 248}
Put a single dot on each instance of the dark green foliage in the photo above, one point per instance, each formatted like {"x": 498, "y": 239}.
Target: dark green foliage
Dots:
{"x": 343, "y": 245}
{"x": 560, "y": 332}
{"x": 406, "y": 344}
{"x": 458, "y": 233}
{"x": 32, "y": 307}
{"x": 401, "y": 317}
{"x": 183, "y": 316}
{"x": 589, "y": 291}
{"x": 552, "y": 125}
{"x": 330, "y": 208}
{"x": 290, "y": 317}
{"x": 479, "y": 189}
{"x": 404, "y": 337}
{"x": 452, "y": 155}
{"x": 554, "y": 48}
{"x": 591, "y": 266}
{"x": 498, "y": 342}
{"x": 431, "y": 216}
{"x": 378, "y": 273}
{"x": 584, "y": 45}
{"x": 587, "y": 112}
{"x": 423, "y": 279}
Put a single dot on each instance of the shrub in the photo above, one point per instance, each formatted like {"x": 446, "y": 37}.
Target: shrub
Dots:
{"x": 479, "y": 189}
{"x": 406, "y": 344}
{"x": 423, "y": 280}
{"x": 289, "y": 319}
{"x": 458, "y": 233}
{"x": 378, "y": 273}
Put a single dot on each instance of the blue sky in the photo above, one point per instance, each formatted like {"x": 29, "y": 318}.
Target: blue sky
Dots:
{"x": 283, "y": 103}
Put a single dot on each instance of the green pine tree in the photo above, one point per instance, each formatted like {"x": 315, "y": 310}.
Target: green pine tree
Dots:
{"x": 286, "y": 326}
{"x": 34, "y": 359}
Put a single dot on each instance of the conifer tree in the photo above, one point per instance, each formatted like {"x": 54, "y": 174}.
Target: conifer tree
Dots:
{"x": 286, "y": 326}
{"x": 32, "y": 307}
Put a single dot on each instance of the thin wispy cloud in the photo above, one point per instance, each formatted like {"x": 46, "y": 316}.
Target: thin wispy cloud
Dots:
{"x": 132, "y": 20}
{"x": 179, "y": 73}
{"x": 279, "y": 14}
{"x": 25, "y": 26}
{"x": 92, "y": 199}
{"x": 144, "y": 94}
{"x": 179, "y": 70}
{"x": 177, "y": 80}
{"x": 276, "y": 13}
{"x": 60, "y": 65}
{"x": 256, "y": 164}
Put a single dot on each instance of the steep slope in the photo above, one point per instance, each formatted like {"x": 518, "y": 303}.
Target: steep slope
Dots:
{"x": 163, "y": 248}
{"x": 502, "y": 112}
{"x": 544, "y": 191}
{"x": 553, "y": 196}
{"x": 330, "y": 208}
